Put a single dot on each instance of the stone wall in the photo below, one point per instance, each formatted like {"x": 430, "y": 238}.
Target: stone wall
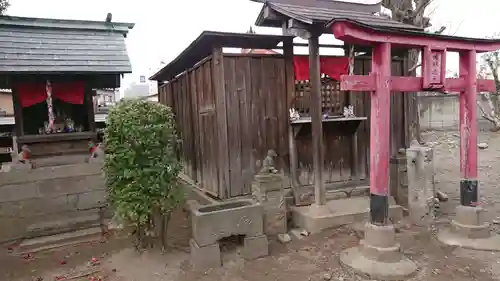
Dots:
{"x": 441, "y": 112}
{"x": 48, "y": 195}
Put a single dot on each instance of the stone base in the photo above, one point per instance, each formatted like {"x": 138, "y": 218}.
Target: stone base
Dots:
{"x": 339, "y": 212}
{"x": 206, "y": 256}
{"x": 468, "y": 230}
{"x": 378, "y": 256}
{"x": 255, "y": 247}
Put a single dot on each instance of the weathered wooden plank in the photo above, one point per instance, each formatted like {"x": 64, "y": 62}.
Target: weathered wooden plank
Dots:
{"x": 365, "y": 83}
{"x": 233, "y": 84}
{"x": 247, "y": 161}
{"x": 222, "y": 122}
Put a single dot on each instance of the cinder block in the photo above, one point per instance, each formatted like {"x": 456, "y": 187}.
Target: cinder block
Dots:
{"x": 255, "y": 247}
{"x": 203, "y": 257}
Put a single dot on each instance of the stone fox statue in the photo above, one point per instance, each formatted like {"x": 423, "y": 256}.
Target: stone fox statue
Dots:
{"x": 268, "y": 163}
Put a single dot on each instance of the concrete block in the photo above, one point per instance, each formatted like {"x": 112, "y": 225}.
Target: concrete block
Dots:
{"x": 73, "y": 185}
{"x": 275, "y": 221}
{"x": 213, "y": 222}
{"x": 91, "y": 200}
{"x": 469, "y": 215}
{"x": 255, "y": 247}
{"x": 378, "y": 256}
{"x": 48, "y": 173}
{"x": 9, "y": 193}
{"x": 339, "y": 212}
{"x": 203, "y": 257}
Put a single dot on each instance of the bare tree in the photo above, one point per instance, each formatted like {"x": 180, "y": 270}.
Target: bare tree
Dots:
{"x": 489, "y": 104}
{"x": 411, "y": 12}
{"x": 4, "y": 4}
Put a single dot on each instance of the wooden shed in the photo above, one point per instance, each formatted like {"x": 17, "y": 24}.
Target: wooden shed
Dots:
{"x": 231, "y": 108}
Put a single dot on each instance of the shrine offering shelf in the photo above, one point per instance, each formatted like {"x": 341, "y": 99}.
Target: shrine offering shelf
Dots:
{"x": 341, "y": 125}
{"x": 57, "y": 144}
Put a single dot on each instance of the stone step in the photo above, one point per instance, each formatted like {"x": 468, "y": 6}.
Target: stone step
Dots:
{"x": 52, "y": 242}
{"x": 66, "y": 224}
{"x": 339, "y": 212}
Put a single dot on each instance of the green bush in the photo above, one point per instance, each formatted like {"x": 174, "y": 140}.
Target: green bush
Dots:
{"x": 141, "y": 166}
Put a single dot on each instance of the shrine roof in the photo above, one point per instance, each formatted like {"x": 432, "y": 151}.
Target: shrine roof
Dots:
{"x": 408, "y": 38}
{"x": 43, "y": 46}
{"x": 315, "y": 14}
{"x": 202, "y": 47}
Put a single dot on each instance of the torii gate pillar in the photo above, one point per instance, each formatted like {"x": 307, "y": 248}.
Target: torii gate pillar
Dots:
{"x": 378, "y": 254}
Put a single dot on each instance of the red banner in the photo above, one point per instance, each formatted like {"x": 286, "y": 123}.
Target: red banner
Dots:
{"x": 334, "y": 67}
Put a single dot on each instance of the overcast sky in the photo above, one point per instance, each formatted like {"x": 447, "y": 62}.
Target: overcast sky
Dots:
{"x": 165, "y": 27}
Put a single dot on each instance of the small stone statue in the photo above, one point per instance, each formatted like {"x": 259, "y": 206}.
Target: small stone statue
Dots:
{"x": 23, "y": 156}
{"x": 96, "y": 152}
{"x": 268, "y": 163}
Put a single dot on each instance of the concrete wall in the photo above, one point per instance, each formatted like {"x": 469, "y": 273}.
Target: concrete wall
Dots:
{"x": 441, "y": 112}
{"x": 47, "y": 195}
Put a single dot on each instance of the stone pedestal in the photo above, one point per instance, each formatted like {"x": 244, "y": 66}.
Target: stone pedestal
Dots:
{"x": 469, "y": 230}
{"x": 378, "y": 256}
{"x": 421, "y": 191}
{"x": 205, "y": 256}
{"x": 269, "y": 190}
{"x": 255, "y": 247}
{"x": 399, "y": 178}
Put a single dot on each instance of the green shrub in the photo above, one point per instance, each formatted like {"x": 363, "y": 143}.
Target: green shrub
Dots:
{"x": 141, "y": 166}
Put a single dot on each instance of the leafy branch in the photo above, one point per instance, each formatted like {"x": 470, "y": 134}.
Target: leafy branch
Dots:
{"x": 141, "y": 166}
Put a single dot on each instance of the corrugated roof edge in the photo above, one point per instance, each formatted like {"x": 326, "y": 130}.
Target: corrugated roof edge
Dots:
{"x": 205, "y": 34}
{"x": 410, "y": 32}
{"x": 65, "y": 24}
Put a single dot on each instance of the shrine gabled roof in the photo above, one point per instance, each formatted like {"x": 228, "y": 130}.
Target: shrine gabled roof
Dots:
{"x": 322, "y": 15}
{"x": 46, "y": 46}
{"x": 202, "y": 47}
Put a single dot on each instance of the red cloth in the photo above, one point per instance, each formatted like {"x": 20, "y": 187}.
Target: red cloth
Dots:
{"x": 70, "y": 92}
{"x": 301, "y": 67}
{"x": 331, "y": 66}
{"x": 334, "y": 66}
{"x": 31, "y": 93}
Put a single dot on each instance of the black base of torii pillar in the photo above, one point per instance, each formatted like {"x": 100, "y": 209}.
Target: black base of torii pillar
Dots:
{"x": 378, "y": 255}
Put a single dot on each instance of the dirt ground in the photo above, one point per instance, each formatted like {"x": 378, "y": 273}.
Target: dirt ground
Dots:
{"x": 313, "y": 258}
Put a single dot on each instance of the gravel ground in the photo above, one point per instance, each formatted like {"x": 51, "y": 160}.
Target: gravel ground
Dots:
{"x": 313, "y": 258}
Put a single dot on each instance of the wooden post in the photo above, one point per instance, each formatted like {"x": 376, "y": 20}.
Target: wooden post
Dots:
{"x": 18, "y": 113}
{"x": 290, "y": 94}
{"x": 316, "y": 119}
{"x": 468, "y": 130}
{"x": 380, "y": 134}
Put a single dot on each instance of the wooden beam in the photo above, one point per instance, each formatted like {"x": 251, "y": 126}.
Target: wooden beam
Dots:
{"x": 317, "y": 120}
{"x": 218, "y": 84}
{"x": 270, "y": 14}
{"x": 366, "y": 83}
{"x": 18, "y": 113}
{"x": 298, "y": 29}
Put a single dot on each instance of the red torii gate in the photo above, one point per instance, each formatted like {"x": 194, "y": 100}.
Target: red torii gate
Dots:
{"x": 379, "y": 243}
{"x": 380, "y": 83}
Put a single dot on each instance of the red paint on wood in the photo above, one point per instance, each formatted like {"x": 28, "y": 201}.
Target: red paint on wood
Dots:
{"x": 433, "y": 68}
{"x": 380, "y": 120}
{"x": 363, "y": 83}
{"x": 356, "y": 34}
{"x": 468, "y": 124}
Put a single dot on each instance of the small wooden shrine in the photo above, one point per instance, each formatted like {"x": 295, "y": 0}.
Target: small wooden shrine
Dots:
{"x": 53, "y": 67}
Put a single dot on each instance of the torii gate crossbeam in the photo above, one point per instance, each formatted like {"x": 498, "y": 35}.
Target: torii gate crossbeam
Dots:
{"x": 467, "y": 229}
{"x": 380, "y": 83}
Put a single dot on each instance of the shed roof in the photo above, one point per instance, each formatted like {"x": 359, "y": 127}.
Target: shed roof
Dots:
{"x": 202, "y": 47}
{"x": 322, "y": 15}
{"x": 49, "y": 46}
